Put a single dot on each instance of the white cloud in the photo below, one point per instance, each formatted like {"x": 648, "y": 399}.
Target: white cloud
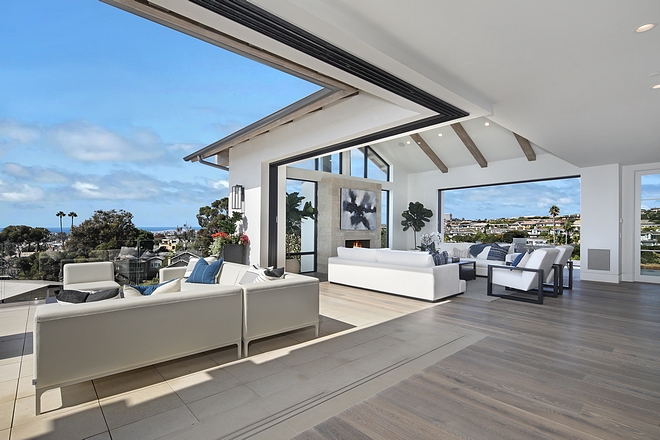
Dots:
{"x": 20, "y": 193}
{"x": 218, "y": 184}
{"x": 16, "y": 132}
{"x": 91, "y": 143}
{"x": 34, "y": 174}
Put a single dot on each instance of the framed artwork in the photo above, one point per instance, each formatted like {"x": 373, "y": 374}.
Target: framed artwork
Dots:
{"x": 358, "y": 210}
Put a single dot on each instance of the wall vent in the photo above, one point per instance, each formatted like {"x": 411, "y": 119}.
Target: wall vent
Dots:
{"x": 598, "y": 259}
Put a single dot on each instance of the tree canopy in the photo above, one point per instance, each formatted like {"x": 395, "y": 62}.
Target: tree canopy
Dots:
{"x": 21, "y": 235}
{"x": 105, "y": 230}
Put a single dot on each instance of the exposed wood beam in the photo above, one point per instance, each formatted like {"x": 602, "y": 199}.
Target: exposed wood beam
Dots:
{"x": 426, "y": 148}
{"x": 526, "y": 147}
{"x": 469, "y": 144}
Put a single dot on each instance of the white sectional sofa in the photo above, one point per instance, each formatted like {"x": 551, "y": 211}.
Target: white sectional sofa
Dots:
{"x": 269, "y": 308}
{"x": 406, "y": 273}
{"x": 481, "y": 261}
{"x": 78, "y": 342}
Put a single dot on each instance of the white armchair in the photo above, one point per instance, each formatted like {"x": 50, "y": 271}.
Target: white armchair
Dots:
{"x": 532, "y": 276}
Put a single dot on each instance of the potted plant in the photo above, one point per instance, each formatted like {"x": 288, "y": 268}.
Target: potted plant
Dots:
{"x": 415, "y": 217}
{"x": 228, "y": 243}
{"x": 296, "y": 212}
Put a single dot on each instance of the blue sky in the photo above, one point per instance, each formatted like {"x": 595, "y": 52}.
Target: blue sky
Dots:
{"x": 98, "y": 108}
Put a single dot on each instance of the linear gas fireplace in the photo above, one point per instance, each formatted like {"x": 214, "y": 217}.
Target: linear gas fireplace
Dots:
{"x": 358, "y": 243}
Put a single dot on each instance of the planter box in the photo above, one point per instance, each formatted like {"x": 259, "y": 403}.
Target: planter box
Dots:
{"x": 234, "y": 253}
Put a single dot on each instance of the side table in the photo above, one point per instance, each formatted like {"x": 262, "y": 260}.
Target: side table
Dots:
{"x": 467, "y": 270}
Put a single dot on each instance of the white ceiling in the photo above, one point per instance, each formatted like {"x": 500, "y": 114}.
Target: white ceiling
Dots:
{"x": 572, "y": 76}
{"x": 495, "y": 142}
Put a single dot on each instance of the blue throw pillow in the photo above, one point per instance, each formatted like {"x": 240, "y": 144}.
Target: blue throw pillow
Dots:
{"x": 148, "y": 290}
{"x": 497, "y": 253}
{"x": 205, "y": 273}
{"x": 517, "y": 259}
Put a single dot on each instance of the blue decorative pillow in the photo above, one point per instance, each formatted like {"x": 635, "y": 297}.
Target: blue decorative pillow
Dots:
{"x": 516, "y": 260}
{"x": 497, "y": 253}
{"x": 440, "y": 258}
{"x": 148, "y": 290}
{"x": 476, "y": 249}
{"x": 205, "y": 273}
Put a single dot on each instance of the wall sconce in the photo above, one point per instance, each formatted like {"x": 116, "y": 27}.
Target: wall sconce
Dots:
{"x": 238, "y": 198}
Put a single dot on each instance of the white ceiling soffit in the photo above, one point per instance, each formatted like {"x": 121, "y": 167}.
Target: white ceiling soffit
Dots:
{"x": 571, "y": 76}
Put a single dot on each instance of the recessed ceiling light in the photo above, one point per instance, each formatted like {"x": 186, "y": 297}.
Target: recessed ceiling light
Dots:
{"x": 645, "y": 27}
{"x": 408, "y": 142}
{"x": 487, "y": 124}
{"x": 656, "y": 87}
{"x": 440, "y": 134}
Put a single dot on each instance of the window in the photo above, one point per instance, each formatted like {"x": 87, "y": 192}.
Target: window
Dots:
{"x": 384, "y": 218}
{"x": 327, "y": 164}
{"x": 366, "y": 163}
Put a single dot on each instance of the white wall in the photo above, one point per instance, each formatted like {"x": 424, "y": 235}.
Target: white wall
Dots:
{"x": 600, "y": 220}
{"x": 423, "y": 187}
{"x": 248, "y": 162}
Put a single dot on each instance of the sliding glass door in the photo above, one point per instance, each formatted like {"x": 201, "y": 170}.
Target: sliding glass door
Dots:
{"x": 301, "y": 244}
{"x": 649, "y": 228}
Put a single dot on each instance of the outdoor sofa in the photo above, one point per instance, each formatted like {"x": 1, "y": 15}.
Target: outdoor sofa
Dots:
{"x": 74, "y": 343}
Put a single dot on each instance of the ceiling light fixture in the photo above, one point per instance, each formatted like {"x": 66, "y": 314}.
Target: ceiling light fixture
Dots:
{"x": 645, "y": 27}
{"x": 487, "y": 124}
{"x": 408, "y": 142}
{"x": 656, "y": 87}
{"x": 440, "y": 134}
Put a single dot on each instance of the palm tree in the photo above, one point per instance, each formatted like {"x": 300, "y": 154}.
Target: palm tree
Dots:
{"x": 554, "y": 212}
{"x": 568, "y": 228}
{"x": 61, "y": 215}
{"x": 72, "y": 215}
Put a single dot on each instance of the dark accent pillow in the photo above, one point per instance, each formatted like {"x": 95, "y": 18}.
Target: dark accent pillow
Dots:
{"x": 102, "y": 294}
{"x": 517, "y": 259}
{"x": 275, "y": 273}
{"x": 205, "y": 273}
{"x": 72, "y": 296}
{"x": 497, "y": 253}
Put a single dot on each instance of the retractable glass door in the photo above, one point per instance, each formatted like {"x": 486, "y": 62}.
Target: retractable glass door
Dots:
{"x": 649, "y": 228}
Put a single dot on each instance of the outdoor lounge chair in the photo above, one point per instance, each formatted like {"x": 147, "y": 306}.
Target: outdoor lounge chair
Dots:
{"x": 527, "y": 278}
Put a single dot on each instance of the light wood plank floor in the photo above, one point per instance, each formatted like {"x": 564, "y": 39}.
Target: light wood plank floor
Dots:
{"x": 585, "y": 366}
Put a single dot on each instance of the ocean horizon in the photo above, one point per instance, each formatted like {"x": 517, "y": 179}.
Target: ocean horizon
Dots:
{"x": 56, "y": 229}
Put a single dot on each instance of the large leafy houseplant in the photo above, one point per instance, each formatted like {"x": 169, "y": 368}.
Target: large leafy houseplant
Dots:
{"x": 415, "y": 217}
{"x": 296, "y": 212}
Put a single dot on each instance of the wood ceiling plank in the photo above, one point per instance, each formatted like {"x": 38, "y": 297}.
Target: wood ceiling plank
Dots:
{"x": 469, "y": 144}
{"x": 426, "y": 148}
{"x": 526, "y": 147}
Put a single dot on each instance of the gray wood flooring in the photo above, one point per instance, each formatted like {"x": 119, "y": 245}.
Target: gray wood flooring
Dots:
{"x": 583, "y": 366}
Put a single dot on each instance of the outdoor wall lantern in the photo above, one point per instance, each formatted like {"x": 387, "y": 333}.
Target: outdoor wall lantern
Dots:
{"x": 238, "y": 198}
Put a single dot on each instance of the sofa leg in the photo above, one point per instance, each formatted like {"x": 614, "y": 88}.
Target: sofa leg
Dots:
{"x": 240, "y": 346}
{"x": 37, "y": 395}
{"x": 245, "y": 348}
{"x": 316, "y": 334}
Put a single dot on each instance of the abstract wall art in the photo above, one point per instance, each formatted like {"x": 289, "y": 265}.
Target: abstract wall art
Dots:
{"x": 358, "y": 210}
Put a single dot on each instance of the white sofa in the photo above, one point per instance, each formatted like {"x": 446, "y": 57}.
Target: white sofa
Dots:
{"x": 78, "y": 342}
{"x": 98, "y": 275}
{"x": 406, "y": 273}
{"x": 271, "y": 307}
{"x": 481, "y": 261}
